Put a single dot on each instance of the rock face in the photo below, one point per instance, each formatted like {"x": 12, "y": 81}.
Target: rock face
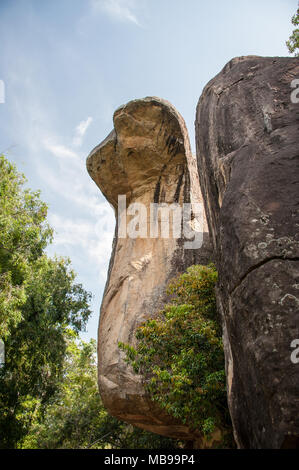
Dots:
{"x": 247, "y": 133}
{"x": 147, "y": 158}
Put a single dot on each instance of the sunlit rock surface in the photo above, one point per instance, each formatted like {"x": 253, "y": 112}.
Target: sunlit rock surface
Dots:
{"x": 147, "y": 158}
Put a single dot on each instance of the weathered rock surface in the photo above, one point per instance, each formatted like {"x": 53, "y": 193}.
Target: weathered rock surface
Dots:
{"x": 146, "y": 157}
{"x": 247, "y": 133}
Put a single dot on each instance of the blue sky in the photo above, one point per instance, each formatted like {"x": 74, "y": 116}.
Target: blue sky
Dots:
{"x": 68, "y": 64}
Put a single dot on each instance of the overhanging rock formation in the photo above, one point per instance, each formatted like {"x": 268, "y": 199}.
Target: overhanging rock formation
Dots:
{"x": 146, "y": 158}
{"x": 247, "y": 133}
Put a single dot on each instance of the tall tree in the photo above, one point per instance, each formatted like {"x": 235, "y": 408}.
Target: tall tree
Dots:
{"x": 24, "y": 234}
{"x": 39, "y": 304}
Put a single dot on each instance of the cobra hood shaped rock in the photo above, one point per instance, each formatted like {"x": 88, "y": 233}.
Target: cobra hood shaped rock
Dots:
{"x": 147, "y": 158}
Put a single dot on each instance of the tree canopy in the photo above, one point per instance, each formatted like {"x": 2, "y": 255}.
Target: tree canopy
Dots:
{"x": 39, "y": 303}
{"x": 293, "y": 42}
{"x": 24, "y": 234}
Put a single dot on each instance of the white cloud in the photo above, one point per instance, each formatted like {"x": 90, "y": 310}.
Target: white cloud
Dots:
{"x": 83, "y": 221}
{"x": 122, "y": 10}
{"x": 80, "y": 131}
{"x": 88, "y": 234}
{"x": 58, "y": 150}
{"x": 91, "y": 241}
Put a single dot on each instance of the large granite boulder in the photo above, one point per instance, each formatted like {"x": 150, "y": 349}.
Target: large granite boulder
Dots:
{"x": 146, "y": 158}
{"x": 247, "y": 132}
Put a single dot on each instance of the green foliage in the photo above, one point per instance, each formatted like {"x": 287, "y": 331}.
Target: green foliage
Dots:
{"x": 40, "y": 303}
{"x": 180, "y": 354}
{"x": 293, "y": 42}
{"x": 71, "y": 417}
{"x": 75, "y": 418}
{"x": 24, "y": 233}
